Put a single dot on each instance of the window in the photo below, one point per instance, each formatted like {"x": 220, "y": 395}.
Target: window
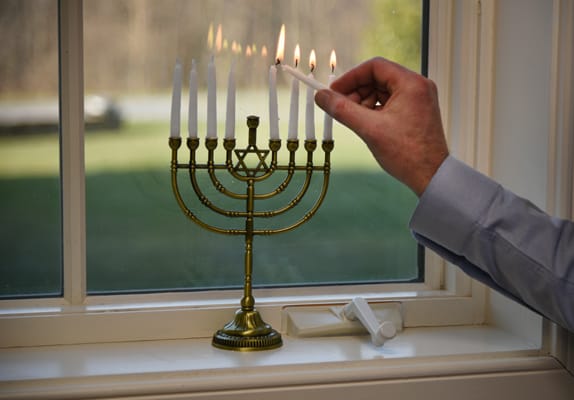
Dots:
{"x": 30, "y": 233}
{"x": 271, "y": 300}
{"x": 136, "y": 237}
{"x": 133, "y": 222}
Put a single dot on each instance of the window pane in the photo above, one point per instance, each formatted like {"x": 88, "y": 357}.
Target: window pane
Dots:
{"x": 30, "y": 232}
{"x": 138, "y": 238}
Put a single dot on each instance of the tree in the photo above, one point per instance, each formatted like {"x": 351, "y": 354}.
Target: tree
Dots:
{"x": 394, "y": 32}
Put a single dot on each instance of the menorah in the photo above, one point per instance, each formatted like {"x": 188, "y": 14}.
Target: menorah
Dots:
{"x": 248, "y": 331}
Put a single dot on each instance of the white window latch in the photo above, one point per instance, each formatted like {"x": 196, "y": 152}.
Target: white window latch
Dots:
{"x": 382, "y": 320}
{"x": 359, "y": 309}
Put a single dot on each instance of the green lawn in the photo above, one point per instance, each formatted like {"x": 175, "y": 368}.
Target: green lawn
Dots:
{"x": 139, "y": 239}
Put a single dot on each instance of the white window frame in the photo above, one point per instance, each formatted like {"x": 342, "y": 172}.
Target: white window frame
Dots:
{"x": 447, "y": 297}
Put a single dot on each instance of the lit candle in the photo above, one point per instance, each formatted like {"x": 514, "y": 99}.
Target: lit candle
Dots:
{"x": 176, "y": 101}
{"x": 273, "y": 112}
{"x": 192, "y": 110}
{"x": 273, "y": 108}
{"x": 294, "y": 109}
{"x": 230, "y": 116}
{"x": 211, "y": 100}
{"x": 310, "y": 104}
{"x": 328, "y": 122}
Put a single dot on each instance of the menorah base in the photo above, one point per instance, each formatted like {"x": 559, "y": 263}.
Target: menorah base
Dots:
{"x": 247, "y": 332}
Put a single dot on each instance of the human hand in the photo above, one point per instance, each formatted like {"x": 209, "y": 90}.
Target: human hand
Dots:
{"x": 396, "y": 113}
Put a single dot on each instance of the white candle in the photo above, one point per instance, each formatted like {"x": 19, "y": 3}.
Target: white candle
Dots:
{"x": 328, "y": 121}
{"x": 230, "y": 115}
{"x": 310, "y": 112}
{"x": 308, "y": 80}
{"x": 273, "y": 108}
{"x": 211, "y": 100}
{"x": 294, "y": 106}
{"x": 310, "y": 103}
{"x": 294, "y": 111}
{"x": 192, "y": 110}
{"x": 176, "y": 101}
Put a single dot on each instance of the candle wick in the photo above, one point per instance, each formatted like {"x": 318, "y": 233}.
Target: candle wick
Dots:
{"x": 332, "y": 69}
{"x": 278, "y": 61}
{"x": 312, "y": 67}
{"x": 296, "y": 63}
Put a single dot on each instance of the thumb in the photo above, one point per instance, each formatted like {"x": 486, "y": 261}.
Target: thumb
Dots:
{"x": 352, "y": 115}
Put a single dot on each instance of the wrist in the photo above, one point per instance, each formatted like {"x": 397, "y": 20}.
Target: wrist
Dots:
{"x": 426, "y": 172}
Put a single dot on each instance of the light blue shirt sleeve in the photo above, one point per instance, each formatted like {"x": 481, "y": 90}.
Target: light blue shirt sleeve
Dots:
{"x": 500, "y": 239}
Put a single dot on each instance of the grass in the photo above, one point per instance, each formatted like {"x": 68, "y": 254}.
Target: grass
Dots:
{"x": 138, "y": 238}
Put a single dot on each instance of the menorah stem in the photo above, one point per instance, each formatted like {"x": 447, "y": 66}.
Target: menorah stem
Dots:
{"x": 248, "y": 331}
{"x": 248, "y": 301}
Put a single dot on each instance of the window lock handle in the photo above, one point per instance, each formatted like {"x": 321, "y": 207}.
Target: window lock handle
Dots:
{"x": 359, "y": 309}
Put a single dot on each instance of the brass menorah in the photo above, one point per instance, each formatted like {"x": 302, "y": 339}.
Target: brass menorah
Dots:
{"x": 248, "y": 331}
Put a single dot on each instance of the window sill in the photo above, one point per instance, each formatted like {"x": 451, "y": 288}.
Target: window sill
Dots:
{"x": 194, "y": 366}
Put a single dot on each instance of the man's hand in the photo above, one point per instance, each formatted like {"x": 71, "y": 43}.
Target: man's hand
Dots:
{"x": 396, "y": 113}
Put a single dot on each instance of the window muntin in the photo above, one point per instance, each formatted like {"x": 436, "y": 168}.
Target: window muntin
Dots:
{"x": 30, "y": 201}
{"x": 138, "y": 239}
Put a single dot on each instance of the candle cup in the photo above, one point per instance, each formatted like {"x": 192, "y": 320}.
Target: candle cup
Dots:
{"x": 292, "y": 145}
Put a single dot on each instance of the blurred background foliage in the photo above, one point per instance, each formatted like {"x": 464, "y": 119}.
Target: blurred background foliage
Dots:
{"x": 395, "y": 32}
{"x": 137, "y": 41}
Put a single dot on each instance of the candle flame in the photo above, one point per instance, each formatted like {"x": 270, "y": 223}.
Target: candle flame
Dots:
{"x": 210, "y": 37}
{"x": 297, "y": 55}
{"x": 248, "y": 51}
{"x": 333, "y": 61}
{"x": 280, "y": 46}
{"x": 312, "y": 60}
{"x": 218, "y": 38}
{"x": 264, "y": 51}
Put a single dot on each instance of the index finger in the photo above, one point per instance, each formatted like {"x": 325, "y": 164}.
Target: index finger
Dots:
{"x": 376, "y": 74}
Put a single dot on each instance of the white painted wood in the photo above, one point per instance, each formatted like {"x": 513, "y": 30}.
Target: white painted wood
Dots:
{"x": 72, "y": 150}
{"x": 560, "y": 177}
{"x": 485, "y": 87}
{"x": 195, "y": 368}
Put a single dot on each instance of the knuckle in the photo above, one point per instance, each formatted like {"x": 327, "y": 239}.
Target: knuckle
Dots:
{"x": 423, "y": 87}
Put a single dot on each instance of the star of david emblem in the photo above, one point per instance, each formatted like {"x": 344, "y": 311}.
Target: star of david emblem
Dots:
{"x": 251, "y": 155}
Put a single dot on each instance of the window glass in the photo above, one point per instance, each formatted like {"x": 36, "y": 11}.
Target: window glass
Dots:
{"x": 30, "y": 228}
{"x": 139, "y": 239}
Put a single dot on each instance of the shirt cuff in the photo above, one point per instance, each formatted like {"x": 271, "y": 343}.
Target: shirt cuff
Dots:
{"x": 452, "y": 204}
